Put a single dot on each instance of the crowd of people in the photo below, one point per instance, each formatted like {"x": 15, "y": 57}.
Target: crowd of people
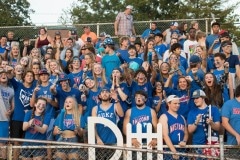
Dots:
{"x": 180, "y": 77}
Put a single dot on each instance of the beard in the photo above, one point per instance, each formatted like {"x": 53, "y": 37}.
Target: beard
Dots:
{"x": 105, "y": 99}
{"x": 140, "y": 103}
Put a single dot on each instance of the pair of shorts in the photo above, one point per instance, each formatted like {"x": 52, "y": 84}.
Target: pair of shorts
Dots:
{"x": 29, "y": 153}
{"x": 67, "y": 150}
{"x": 16, "y": 129}
{"x": 4, "y": 130}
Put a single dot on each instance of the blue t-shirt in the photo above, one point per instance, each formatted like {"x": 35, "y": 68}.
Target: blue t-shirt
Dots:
{"x": 66, "y": 121}
{"x": 210, "y": 40}
{"x": 233, "y": 61}
{"x": 163, "y": 106}
{"x": 225, "y": 93}
{"x": 109, "y": 62}
{"x": 199, "y": 136}
{"x": 147, "y": 32}
{"x": 160, "y": 49}
{"x": 92, "y": 101}
{"x": 210, "y": 63}
{"x": 125, "y": 90}
{"x": 62, "y": 95}
{"x": 123, "y": 55}
{"x": 22, "y": 98}
{"x": 105, "y": 133}
{"x": 147, "y": 87}
{"x": 46, "y": 93}
{"x": 186, "y": 103}
{"x": 231, "y": 110}
{"x": 75, "y": 78}
{"x": 31, "y": 133}
{"x": 137, "y": 60}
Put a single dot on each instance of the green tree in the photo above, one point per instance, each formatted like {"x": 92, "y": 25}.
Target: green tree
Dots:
{"x": 86, "y": 11}
{"x": 15, "y": 12}
{"x": 93, "y": 11}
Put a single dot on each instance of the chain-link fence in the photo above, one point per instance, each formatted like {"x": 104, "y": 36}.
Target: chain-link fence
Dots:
{"x": 31, "y": 32}
{"x": 61, "y": 150}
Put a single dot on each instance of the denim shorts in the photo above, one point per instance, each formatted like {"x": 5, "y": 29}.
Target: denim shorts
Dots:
{"x": 29, "y": 153}
{"x": 67, "y": 150}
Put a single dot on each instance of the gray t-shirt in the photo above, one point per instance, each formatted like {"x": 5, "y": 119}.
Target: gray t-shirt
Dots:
{"x": 6, "y": 98}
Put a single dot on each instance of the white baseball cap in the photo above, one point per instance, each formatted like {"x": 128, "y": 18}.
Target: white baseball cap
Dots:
{"x": 130, "y": 7}
{"x": 172, "y": 97}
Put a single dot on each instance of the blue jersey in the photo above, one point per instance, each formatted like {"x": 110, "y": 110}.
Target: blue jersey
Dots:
{"x": 176, "y": 127}
{"x": 46, "y": 93}
{"x": 231, "y": 110}
{"x": 142, "y": 116}
{"x": 22, "y": 98}
{"x": 199, "y": 136}
{"x": 62, "y": 95}
{"x": 31, "y": 133}
{"x": 105, "y": 133}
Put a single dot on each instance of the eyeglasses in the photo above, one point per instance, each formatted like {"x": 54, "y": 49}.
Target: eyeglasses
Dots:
{"x": 172, "y": 58}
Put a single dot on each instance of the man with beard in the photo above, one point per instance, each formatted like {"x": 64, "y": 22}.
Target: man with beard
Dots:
{"x": 142, "y": 114}
{"x": 110, "y": 111}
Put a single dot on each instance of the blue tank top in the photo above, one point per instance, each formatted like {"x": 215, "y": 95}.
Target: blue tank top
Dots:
{"x": 105, "y": 133}
{"x": 175, "y": 128}
{"x": 142, "y": 116}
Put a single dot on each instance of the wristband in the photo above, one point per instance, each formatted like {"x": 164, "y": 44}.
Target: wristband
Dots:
{"x": 116, "y": 101}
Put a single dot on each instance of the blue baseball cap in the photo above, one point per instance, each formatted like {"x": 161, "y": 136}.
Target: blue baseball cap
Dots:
{"x": 105, "y": 89}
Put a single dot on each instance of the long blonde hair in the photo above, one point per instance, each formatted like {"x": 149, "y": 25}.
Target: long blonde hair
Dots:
{"x": 76, "y": 113}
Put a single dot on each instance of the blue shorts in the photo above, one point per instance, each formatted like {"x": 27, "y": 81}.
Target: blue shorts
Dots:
{"x": 29, "y": 153}
{"x": 4, "y": 130}
{"x": 67, "y": 150}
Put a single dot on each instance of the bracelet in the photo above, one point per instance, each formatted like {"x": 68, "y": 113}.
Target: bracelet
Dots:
{"x": 117, "y": 86}
{"x": 116, "y": 101}
{"x": 195, "y": 123}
